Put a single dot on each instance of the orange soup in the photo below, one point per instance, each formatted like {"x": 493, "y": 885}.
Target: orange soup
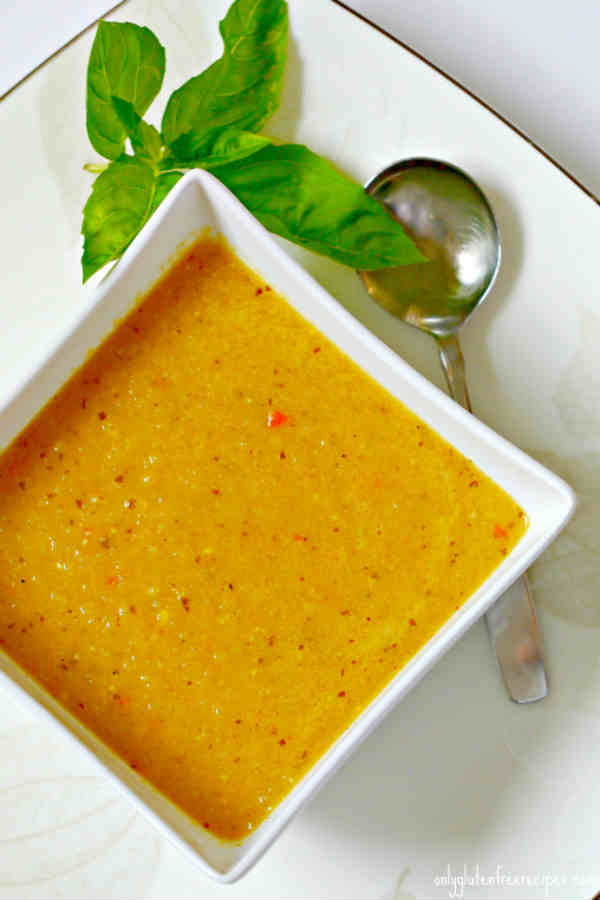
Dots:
{"x": 221, "y": 539}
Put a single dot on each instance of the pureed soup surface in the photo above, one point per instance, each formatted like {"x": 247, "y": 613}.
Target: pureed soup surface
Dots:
{"x": 221, "y": 539}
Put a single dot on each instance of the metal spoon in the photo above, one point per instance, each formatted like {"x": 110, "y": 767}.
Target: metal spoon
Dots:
{"x": 452, "y": 223}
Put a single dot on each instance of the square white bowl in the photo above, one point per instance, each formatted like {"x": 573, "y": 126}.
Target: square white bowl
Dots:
{"x": 197, "y": 202}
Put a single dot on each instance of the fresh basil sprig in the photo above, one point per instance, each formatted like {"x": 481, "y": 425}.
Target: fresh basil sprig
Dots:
{"x": 210, "y": 122}
{"x": 215, "y": 147}
{"x": 302, "y": 197}
{"x": 243, "y": 87}
{"x": 146, "y": 141}
{"x": 123, "y": 198}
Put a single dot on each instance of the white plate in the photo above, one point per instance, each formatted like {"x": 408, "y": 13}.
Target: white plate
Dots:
{"x": 457, "y": 775}
{"x": 200, "y": 201}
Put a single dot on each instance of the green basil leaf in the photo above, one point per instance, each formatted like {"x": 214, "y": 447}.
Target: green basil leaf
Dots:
{"x": 242, "y": 88}
{"x": 213, "y": 148}
{"x": 123, "y": 198}
{"x": 126, "y": 61}
{"x": 163, "y": 185}
{"x": 302, "y": 197}
{"x": 145, "y": 140}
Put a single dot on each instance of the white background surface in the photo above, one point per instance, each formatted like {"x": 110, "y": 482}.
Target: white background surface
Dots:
{"x": 534, "y": 61}
{"x": 457, "y": 776}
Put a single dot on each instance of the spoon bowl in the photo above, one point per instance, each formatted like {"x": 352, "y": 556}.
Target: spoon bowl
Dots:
{"x": 450, "y": 220}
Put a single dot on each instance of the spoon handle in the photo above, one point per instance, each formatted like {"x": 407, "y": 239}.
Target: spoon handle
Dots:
{"x": 453, "y": 365}
{"x": 511, "y": 620}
